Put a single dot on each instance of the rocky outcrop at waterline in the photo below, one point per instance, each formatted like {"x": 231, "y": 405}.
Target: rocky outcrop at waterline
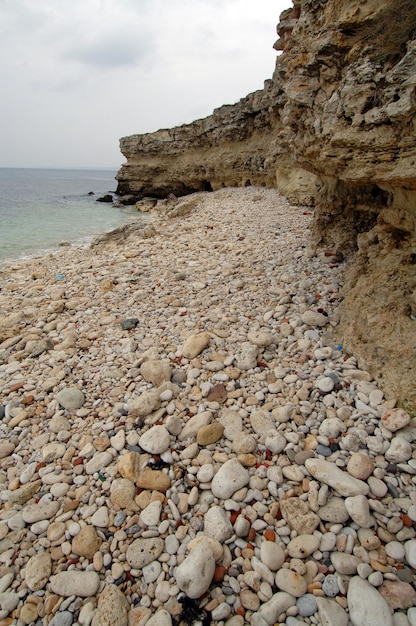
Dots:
{"x": 335, "y": 129}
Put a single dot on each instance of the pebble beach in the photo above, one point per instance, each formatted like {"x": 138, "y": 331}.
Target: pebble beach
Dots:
{"x": 183, "y": 440}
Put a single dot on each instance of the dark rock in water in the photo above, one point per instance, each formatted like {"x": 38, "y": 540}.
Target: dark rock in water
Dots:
{"x": 90, "y": 193}
{"x": 106, "y": 198}
{"x": 130, "y": 323}
{"x": 127, "y": 200}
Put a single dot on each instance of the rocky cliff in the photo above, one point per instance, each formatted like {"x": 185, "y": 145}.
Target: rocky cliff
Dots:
{"x": 335, "y": 128}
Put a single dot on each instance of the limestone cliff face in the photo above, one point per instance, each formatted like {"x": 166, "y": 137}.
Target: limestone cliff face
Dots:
{"x": 334, "y": 128}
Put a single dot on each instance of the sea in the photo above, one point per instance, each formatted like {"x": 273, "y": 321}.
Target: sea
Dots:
{"x": 40, "y": 209}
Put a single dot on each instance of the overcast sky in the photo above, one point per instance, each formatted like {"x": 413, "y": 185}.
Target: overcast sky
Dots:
{"x": 76, "y": 75}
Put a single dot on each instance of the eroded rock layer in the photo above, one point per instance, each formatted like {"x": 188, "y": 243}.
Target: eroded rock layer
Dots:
{"x": 335, "y": 127}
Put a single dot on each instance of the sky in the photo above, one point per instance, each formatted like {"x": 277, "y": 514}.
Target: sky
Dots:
{"x": 77, "y": 75}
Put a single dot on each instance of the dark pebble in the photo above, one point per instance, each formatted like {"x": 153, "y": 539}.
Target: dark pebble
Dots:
{"x": 330, "y": 586}
{"x": 130, "y": 323}
{"x": 323, "y": 450}
{"x": 405, "y": 575}
{"x": 2, "y": 411}
{"x": 392, "y": 490}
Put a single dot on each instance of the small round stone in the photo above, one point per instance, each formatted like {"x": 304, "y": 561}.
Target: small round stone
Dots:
{"x": 330, "y": 586}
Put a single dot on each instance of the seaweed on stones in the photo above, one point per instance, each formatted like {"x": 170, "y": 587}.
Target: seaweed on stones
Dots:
{"x": 192, "y": 614}
{"x": 158, "y": 464}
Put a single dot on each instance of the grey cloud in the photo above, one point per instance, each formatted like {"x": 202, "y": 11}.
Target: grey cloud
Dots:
{"x": 110, "y": 53}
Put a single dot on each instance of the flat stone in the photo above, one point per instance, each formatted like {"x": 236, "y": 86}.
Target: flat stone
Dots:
{"x": 28, "y": 613}
{"x": 75, "y": 583}
{"x": 325, "y": 384}
{"x": 410, "y": 551}
{"x": 112, "y": 608}
{"x": 98, "y": 462}
{"x": 231, "y": 477}
{"x": 330, "y": 586}
{"x": 217, "y": 524}
{"x": 334, "y": 511}
{"x": 145, "y": 404}
{"x": 272, "y": 555}
{"x": 345, "y": 563}
{"x": 58, "y": 423}
{"x": 143, "y": 551}
{"x": 217, "y": 394}
{"x": 358, "y": 509}
{"x": 395, "y": 550}
{"x": 366, "y": 605}
{"x": 150, "y": 516}
{"x": 302, "y": 546}
{"x": 211, "y": 433}
{"x": 160, "y": 618}
{"x": 313, "y": 318}
{"x": 279, "y": 603}
{"x": 8, "y": 601}
{"x": 400, "y": 450}
{"x": 262, "y": 422}
{"x": 153, "y": 480}
{"x": 53, "y": 451}
{"x": 6, "y": 449}
{"x": 395, "y": 419}
{"x": 299, "y": 516}
{"x": 156, "y": 440}
{"x": 70, "y": 398}
{"x": 291, "y": 582}
{"x": 331, "y": 613}
{"x": 156, "y": 372}
{"x": 195, "y": 344}
{"x": 37, "y": 571}
{"x": 205, "y": 473}
{"x": 194, "y": 575}
{"x": 232, "y": 422}
{"x": 275, "y": 442}
{"x": 216, "y": 546}
{"x": 101, "y": 517}
{"x": 129, "y": 466}
{"x": 40, "y": 511}
{"x": 118, "y": 441}
{"x": 259, "y": 338}
{"x": 192, "y": 426}
{"x": 360, "y": 466}
{"x": 86, "y": 542}
{"x": 129, "y": 323}
{"x": 123, "y": 492}
{"x": 307, "y": 605}
{"x": 331, "y": 475}
{"x": 247, "y": 357}
{"x": 397, "y": 594}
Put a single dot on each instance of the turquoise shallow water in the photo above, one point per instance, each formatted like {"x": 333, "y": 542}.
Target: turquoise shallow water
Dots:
{"x": 40, "y": 208}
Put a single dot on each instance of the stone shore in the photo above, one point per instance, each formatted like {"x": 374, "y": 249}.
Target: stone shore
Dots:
{"x": 182, "y": 439}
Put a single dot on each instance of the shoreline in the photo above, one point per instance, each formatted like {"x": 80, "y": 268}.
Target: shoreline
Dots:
{"x": 179, "y": 419}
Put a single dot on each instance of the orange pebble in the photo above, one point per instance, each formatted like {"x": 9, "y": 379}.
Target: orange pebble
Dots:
{"x": 252, "y": 534}
{"x": 234, "y": 515}
{"x": 219, "y": 574}
{"x": 406, "y": 520}
{"x": 16, "y": 386}
{"x": 78, "y": 461}
{"x": 270, "y": 535}
{"x": 240, "y": 611}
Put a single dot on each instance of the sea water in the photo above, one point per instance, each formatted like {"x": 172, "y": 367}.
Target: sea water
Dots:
{"x": 42, "y": 208}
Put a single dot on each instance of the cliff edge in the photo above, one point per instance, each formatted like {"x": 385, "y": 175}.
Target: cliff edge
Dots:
{"x": 334, "y": 128}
